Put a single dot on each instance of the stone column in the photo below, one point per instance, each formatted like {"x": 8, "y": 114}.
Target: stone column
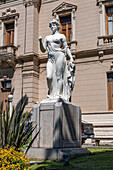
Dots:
{"x": 31, "y": 26}
{"x": 102, "y": 18}
{"x": 73, "y": 17}
{"x": 30, "y": 79}
{"x": 2, "y": 38}
{"x": 15, "y": 30}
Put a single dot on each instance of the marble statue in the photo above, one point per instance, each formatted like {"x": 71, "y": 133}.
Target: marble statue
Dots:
{"x": 60, "y": 76}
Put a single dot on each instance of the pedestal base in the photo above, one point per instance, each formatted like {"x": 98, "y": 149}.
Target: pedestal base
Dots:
{"x": 60, "y": 129}
{"x": 55, "y": 154}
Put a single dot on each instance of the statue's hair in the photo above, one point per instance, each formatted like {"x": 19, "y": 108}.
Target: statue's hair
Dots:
{"x": 56, "y": 22}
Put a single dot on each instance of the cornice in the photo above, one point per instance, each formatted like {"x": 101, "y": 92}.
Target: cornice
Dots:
{"x": 11, "y": 4}
{"x": 36, "y": 3}
{"x": 64, "y": 6}
{"x": 100, "y": 1}
{"x": 28, "y": 56}
{"x": 9, "y": 16}
{"x": 50, "y": 1}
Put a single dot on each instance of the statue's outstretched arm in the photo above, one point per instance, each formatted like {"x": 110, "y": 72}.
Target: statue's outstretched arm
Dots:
{"x": 42, "y": 47}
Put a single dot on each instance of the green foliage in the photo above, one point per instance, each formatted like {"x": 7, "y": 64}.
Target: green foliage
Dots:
{"x": 12, "y": 129}
{"x": 11, "y": 159}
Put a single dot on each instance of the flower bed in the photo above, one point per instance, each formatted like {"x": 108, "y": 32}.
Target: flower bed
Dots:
{"x": 10, "y": 159}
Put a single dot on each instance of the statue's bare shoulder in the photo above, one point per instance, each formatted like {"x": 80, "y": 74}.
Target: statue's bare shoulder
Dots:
{"x": 59, "y": 35}
{"x": 63, "y": 37}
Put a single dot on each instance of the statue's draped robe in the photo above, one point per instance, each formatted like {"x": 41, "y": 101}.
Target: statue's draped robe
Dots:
{"x": 68, "y": 74}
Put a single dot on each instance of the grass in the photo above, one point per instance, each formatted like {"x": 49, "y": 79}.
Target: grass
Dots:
{"x": 100, "y": 159}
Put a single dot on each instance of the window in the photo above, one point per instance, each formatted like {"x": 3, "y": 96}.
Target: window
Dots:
{"x": 5, "y": 91}
{"x": 110, "y": 90}
{"x": 109, "y": 12}
{"x": 65, "y": 27}
{"x": 66, "y": 14}
{"x": 6, "y": 84}
{"x": 9, "y": 34}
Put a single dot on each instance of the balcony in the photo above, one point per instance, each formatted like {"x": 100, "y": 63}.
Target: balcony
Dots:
{"x": 8, "y": 54}
{"x": 8, "y": 50}
{"x": 105, "y": 41}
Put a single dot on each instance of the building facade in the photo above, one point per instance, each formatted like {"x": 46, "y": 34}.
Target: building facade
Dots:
{"x": 88, "y": 26}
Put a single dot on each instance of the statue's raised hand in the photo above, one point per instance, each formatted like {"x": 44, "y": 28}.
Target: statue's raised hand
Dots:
{"x": 40, "y": 38}
{"x": 41, "y": 44}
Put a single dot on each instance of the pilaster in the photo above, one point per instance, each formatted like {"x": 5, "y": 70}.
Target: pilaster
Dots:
{"x": 31, "y": 26}
{"x": 30, "y": 80}
{"x": 102, "y": 18}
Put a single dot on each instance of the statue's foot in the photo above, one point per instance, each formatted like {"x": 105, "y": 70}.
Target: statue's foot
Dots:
{"x": 58, "y": 96}
{"x": 50, "y": 97}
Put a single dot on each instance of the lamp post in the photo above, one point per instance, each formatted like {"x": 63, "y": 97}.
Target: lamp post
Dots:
{"x": 10, "y": 99}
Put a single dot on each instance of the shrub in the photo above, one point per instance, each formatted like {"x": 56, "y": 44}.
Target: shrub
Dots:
{"x": 10, "y": 159}
{"x": 13, "y": 131}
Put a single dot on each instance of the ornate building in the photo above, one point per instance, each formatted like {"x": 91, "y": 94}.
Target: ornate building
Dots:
{"x": 88, "y": 26}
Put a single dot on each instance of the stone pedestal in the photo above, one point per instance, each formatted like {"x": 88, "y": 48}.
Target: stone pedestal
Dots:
{"x": 60, "y": 129}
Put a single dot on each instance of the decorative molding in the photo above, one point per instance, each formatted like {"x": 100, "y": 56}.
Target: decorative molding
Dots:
{"x": 64, "y": 6}
{"x": 7, "y": 56}
{"x": 7, "y": 62}
{"x": 30, "y": 74}
{"x": 48, "y": 1}
{"x": 74, "y": 16}
{"x": 111, "y": 66}
{"x": 100, "y": 7}
{"x": 105, "y": 1}
{"x": 8, "y": 11}
{"x": 101, "y": 53}
{"x": 9, "y": 14}
{"x": 98, "y": 1}
{"x": 36, "y": 3}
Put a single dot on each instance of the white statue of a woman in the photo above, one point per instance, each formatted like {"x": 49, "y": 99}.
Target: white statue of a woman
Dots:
{"x": 60, "y": 77}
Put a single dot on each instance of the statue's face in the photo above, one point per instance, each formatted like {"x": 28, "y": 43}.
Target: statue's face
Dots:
{"x": 53, "y": 27}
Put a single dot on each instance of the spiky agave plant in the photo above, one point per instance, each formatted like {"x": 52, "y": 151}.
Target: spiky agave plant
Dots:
{"x": 12, "y": 129}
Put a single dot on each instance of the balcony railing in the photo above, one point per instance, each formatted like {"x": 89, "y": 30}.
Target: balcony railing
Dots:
{"x": 104, "y": 41}
{"x": 8, "y": 50}
{"x": 8, "y": 55}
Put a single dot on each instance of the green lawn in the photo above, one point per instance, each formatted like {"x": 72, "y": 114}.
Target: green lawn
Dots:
{"x": 100, "y": 159}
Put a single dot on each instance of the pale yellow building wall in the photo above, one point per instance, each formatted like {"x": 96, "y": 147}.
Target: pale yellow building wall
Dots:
{"x": 87, "y": 24}
{"x": 17, "y": 84}
{"x": 29, "y": 29}
{"x": 90, "y": 90}
{"x": 20, "y": 8}
{"x": 31, "y": 26}
{"x": 35, "y": 31}
{"x": 29, "y": 84}
{"x": 20, "y": 28}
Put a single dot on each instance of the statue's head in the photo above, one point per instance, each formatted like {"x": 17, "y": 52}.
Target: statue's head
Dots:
{"x": 54, "y": 22}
